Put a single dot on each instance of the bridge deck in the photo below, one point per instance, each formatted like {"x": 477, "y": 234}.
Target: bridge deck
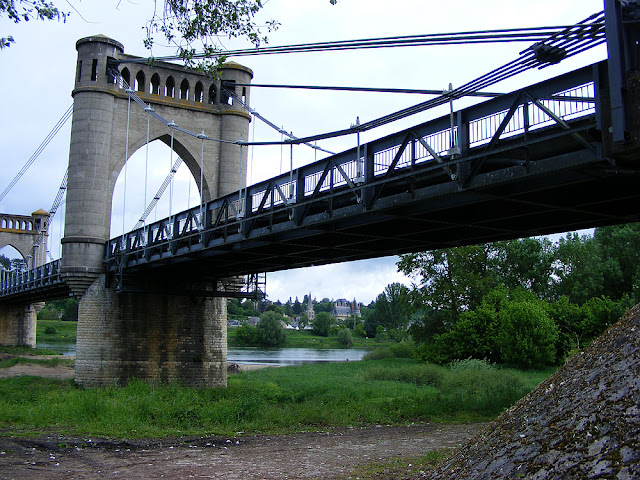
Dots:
{"x": 530, "y": 163}
{"x": 527, "y": 163}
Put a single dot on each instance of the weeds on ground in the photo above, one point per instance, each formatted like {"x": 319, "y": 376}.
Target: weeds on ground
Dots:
{"x": 400, "y": 468}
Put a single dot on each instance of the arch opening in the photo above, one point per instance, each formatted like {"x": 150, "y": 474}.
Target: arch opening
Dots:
{"x": 184, "y": 90}
{"x": 128, "y": 205}
{"x": 199, "y": 93}
{"x": 140, "y": 82}
{"x": 155, "y": 84}
{"x": 126, "y": 76}
{"x": 170, "y": 87}
{"x": 11, "y": 259}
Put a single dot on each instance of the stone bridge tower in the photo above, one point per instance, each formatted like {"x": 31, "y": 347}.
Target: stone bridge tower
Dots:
{"x": 28, "y": 235}
{"x": 151, "y": 335}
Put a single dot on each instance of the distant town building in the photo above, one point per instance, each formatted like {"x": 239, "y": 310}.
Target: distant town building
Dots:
{"x": 311, "y": 315}
{"x": 343, "y": 309}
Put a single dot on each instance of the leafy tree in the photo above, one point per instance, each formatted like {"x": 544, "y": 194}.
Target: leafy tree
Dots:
{"x": 578, "y": 270}
{"x": 325, "y": 305}
{"x": 526, "y": 335}
{"x": 526, "y": 263}
{"x": 359, "y": 330}
{"x": 18, "y": 264}
{"x": 303, "y": 321}
{"x": 270, "y": 330}
{"x": 454, "y": 279}
{"x": 619, "y": 251}
{"x": 568, "y": 317}
{"x": 5, "y": 262}
{"x": 321, "y": 324}
{"x": 599, "y": 313}
{"x": 247, "y": 335}
{"x": 297, "y": 307}
{"x": 345, "y": 337}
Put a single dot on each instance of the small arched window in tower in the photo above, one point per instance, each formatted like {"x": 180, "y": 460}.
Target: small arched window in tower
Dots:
{"x": 79, "y": 71}
{"x": 155, "y": 84}
{"x": 184, "y": 90}
{"x": 94, "y": 70}
{"x": 3, "y": 223}
{"x": 199, "y": 92}
{"x": 170, "y": 88}
{"x": 244, "y": 94}
{"x": 224, "y": 98}
{"x": 126, "y": 76}
{"x": 112, "y": 70}
{"x": 140, "y": 82}
{"x": 212, "y": 94}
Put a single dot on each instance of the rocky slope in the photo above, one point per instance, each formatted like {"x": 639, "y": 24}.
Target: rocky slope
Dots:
{"x": 583, "y": 422}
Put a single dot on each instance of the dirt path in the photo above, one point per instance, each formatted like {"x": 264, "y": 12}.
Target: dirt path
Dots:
{"x": 305, "y": 455}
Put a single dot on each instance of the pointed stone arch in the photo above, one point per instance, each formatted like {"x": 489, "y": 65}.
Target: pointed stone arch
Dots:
{"x": 120, "y": 334}
{"x": 102, "y": 112}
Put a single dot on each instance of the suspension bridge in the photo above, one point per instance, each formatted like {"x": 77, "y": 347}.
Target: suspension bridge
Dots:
{"x": 555, "y": 156}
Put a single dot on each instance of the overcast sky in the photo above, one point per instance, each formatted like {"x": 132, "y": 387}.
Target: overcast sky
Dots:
{"x": 38, "y": 77}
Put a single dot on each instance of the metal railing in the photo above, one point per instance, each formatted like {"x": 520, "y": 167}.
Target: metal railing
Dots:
{"x": 430, "y": 146}
{"x": 12, "y": 282}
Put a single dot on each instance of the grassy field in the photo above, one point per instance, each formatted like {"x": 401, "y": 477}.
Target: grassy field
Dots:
{"x": 273, "y": 400}
{"x": 306, "y": 339}
{"x": 55, "y": 331}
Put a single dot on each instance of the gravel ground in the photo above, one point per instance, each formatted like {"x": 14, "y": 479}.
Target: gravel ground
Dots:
{"x": 304, "y": 455}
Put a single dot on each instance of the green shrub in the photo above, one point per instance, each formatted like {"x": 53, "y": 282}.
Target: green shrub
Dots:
{"x": 50, "y": 330}
{"x": 527, "y": 335}
{"x": 247, "y": 335}
{"x": 344, "y": 337}
{"x": 321, "y": 324}
{"x": 378, "y": 354}
{"x": 404, "y": 349}
{"x": 598, "y": 314}
{"x": 270, "y": 330}
{"x": 359, "y": 330}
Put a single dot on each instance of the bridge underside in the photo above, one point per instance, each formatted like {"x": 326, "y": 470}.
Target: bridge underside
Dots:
{"x": 547, "y": 183}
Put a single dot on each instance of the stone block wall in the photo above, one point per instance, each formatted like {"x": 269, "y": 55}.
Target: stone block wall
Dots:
{"x": 18, "y": 324}
{"x": 159, "y": 338}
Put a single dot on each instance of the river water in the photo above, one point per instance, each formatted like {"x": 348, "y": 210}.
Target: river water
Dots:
{"x": 259, "y": 356}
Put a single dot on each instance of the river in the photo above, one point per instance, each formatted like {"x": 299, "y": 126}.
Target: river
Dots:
{"x": 258, "y": 356}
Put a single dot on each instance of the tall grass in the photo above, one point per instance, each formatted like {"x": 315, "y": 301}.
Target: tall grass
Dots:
{"x": 272, "y": 400}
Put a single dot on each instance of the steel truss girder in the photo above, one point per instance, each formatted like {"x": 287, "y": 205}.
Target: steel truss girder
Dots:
{"x": 333, "y": 186}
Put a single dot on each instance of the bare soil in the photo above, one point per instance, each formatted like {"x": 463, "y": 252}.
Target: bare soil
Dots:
{"x": 326, "y": 455}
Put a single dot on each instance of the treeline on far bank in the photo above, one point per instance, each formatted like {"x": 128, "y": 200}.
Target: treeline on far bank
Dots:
{"x": 527, "y": 303}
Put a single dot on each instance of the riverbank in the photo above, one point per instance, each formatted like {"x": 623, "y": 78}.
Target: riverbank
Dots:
{"x": 54, "y": 333}
{"x": 67, "y": 372}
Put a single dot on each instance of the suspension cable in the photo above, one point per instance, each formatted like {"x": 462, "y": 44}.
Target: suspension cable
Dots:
{"x": 126, "y": 160}
{"x": 565, "y": 44}
{"x": 38, "y": 151}
{"x": 456, "y": 38}
{"x": 282, "y": 131}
